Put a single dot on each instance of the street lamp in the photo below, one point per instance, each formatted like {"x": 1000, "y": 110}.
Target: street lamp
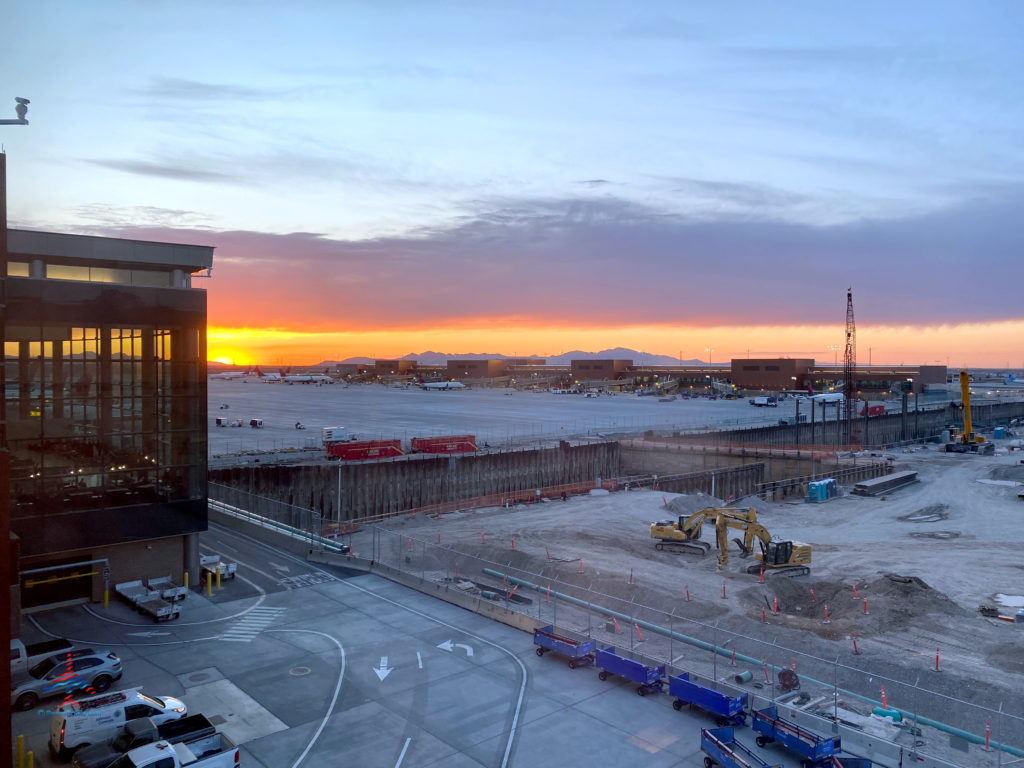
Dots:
{"x": 709, "y": 350}
{"x": 21, "y": 109}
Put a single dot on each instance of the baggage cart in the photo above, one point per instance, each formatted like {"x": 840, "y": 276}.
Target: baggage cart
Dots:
{"x": 649, "y": 678}
{"x": 720, "y": 747}
{"x": 167, "y": 589}
{"x": 580, "y": 652}
{"x": 159, "y": 609}
{"x": 134, "y": 591}
{"x": 729, "y": 710}
{"x": 209, "y": 564}
{"x": 850, "y": 762}
{"x": 816, "y": 751}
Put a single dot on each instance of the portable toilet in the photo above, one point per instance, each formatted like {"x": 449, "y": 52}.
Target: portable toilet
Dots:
{"x": 999, "y": 433}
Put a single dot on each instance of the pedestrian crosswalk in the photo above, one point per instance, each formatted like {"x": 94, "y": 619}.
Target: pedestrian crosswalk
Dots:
{"x": 254, "y": 622}
{"x": 305, "y": 580}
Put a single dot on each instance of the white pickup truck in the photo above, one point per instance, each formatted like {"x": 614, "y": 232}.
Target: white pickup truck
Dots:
{"x": 211, "y": 751}
{"x": 24, "y": 657}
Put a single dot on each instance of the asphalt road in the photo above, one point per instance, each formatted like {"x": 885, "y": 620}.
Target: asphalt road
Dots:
{"x": 315, "y": 666}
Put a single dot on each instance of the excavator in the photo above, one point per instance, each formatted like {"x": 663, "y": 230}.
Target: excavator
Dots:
{"x": 779, "y": 556}
{"x": 966, "y": 441}
{"x": 684, "y": 535}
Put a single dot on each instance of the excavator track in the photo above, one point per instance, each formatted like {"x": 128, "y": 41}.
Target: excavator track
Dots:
{"x": 792, "y": 571}
{"x": 679, "y": 547}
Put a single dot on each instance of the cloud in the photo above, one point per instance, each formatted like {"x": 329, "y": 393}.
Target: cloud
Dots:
{"x": 164, "y": 170}
{"x": 611, "y": 263}
{"x": 164, "y": 88}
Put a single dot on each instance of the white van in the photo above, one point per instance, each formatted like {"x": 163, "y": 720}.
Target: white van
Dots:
{"x": 99, "y": 718}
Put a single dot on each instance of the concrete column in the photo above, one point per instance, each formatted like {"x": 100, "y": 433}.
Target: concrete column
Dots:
{"x": 37, "y": 269}
{"x": 190, "y": 557}
{"x": 180, "y": 280}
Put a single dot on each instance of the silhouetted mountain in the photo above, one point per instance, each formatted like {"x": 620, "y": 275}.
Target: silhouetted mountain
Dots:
{"x": 619, "y": 353}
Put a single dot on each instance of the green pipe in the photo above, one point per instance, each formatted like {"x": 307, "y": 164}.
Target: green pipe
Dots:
{"x": 722, "y": 651}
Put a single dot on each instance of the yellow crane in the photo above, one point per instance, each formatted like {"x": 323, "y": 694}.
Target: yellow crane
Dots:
{"x": 966, "y": 441}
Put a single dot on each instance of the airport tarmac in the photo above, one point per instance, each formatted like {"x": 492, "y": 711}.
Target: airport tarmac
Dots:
{"x": 494, "y": 416}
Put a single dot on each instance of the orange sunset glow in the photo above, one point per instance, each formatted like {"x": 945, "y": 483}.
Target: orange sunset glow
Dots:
{"x": 957, "y": 345}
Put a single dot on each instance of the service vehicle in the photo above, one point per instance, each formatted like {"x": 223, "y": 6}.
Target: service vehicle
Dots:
{"x": 764, "y": 402}
{"x": 65, "y": 673}
{"x": 24, "y": 656}
{"x": 139, "y": 732}
{"x": 210, "y": 564}
{"x": 96, "y": 719}
{"x": 213, "y": 751}
{"x": 167, "y": 589}
{"x": 147, "y": 600}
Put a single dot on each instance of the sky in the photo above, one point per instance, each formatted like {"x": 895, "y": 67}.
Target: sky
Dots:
{"x": 701, "y": 180}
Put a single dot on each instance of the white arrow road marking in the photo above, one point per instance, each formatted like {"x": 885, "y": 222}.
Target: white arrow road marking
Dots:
{"x": 148, "y": 634}
{"x": 419, "y": 659}
{"x": 384, "y": 670}
{"x": 277, "y": 567}
{"x": 448, "y": 645}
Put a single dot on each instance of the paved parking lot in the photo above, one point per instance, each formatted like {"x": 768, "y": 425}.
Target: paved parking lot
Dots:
{"x": 313, "y": 666}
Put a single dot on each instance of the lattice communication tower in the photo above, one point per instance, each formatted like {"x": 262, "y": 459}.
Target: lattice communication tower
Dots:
{"x": 849, "y": 364}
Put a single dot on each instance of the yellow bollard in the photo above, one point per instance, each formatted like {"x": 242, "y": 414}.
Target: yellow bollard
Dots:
{"x": 106, "y": 599}
{"x": 21, "y": 751}
{"x": 30, "y": 758}
{"x": 209, "y": 585}
{"x": 186, "y": 579}
{"x": 218, "y": 577}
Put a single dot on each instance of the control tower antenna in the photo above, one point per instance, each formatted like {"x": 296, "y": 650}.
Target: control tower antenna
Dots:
{"x": 849, "y": 365}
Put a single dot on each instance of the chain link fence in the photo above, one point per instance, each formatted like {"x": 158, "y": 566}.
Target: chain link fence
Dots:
{"x": 909, "y": 719}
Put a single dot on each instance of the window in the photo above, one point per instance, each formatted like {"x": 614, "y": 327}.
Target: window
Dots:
{"x": 751, "y": 367}
{"x": 771, "y": 367}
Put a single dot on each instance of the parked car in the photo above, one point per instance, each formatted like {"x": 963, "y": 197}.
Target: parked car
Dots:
{"x": 82, "y": 669}
{"x": 96, "y": 719}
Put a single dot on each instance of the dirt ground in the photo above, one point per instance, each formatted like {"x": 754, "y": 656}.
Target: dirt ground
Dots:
{"x": 925, "y": 558}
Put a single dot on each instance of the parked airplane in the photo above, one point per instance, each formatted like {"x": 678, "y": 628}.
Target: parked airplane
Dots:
{"x": 828, "y": 397}
{"x": 443, "y": 385}
{"x": 228, "y": 376}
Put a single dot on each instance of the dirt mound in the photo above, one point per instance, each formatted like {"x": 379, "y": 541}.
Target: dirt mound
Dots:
{"x": 690, "y": 503}
{"x": 1011, "y": 472}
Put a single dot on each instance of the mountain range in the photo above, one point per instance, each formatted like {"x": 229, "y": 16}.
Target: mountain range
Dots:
{"x": 619, "y": 353}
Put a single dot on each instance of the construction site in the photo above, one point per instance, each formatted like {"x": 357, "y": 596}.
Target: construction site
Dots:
{"x": 865, "y": 572}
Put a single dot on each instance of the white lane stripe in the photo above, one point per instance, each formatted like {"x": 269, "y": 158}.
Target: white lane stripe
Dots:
{"x": 401, "y": 757}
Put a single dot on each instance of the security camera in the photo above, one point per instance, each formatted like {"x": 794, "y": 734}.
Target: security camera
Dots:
{"x": 22, "y": 108}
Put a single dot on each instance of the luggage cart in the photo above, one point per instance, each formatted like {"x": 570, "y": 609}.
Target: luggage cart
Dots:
{"x": 730, "y": 710}
{"x": 816, "y": 751}
{"x": 580, "y": 652}
{"x": 650, "y": 678}
{"x": 720, "y": 747}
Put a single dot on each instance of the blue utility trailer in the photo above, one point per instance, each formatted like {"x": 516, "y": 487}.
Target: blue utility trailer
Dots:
{"x": 650, "y": 678}
{"x": 720, "y": 747}
{"x": 730, "y": 710}
{"x": 816, "y": 751}
{"x": 850, "y": 762}
{"x": 580, "y": 652}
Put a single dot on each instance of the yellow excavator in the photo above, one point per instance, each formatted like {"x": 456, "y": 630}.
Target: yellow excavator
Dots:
{"x": 684, "y": 535}
{"x": 966, "y": 441}
{"x": 779, "y": 556}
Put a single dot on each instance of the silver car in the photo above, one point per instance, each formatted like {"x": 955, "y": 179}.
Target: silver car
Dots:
{"x": 83, "y": 670}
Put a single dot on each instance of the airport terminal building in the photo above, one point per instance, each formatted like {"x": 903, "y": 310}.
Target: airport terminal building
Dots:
{"x": 104, "y": 367}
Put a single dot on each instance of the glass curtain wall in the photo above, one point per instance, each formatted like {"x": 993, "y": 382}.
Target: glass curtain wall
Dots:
{"x": 103, "y": 416}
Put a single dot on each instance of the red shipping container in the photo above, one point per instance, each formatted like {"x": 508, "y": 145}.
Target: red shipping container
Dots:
{"x": 449, "y": 444}
{"x": 367, "y": 449}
